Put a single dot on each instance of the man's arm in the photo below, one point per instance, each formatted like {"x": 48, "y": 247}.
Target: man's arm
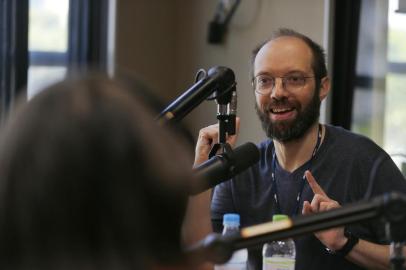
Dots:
{"x": 370, "y": 255}
{"x": 364, "y": 253}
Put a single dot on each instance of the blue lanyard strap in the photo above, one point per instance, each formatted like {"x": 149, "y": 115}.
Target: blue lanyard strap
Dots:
{"x": 274, "y": 189}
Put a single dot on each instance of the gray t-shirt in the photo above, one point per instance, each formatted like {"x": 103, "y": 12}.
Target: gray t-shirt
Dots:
{"x": 341, "y": 166}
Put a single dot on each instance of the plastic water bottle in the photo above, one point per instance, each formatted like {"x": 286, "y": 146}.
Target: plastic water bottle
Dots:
{"x": 238, "y": 261}
{"x": 279, "y": 255}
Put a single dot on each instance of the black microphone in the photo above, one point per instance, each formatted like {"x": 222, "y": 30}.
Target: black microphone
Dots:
{"x": 220, "y": 79}
{"x": 222, "y": 167}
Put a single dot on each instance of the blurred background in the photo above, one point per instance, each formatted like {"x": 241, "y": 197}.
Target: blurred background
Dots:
{"x": 165, "y": 42}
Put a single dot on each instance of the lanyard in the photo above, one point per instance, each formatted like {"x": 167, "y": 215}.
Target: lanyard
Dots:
{"x": 274, "y": 189}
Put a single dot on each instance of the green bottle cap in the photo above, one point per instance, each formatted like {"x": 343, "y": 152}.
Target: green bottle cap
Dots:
{"x": 279, "y": 217}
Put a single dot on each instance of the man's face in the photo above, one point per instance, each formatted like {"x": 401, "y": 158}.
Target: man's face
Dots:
{"x": 287, "y": 115}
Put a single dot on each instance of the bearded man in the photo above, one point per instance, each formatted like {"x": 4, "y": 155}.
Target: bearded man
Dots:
{"x": 289, "y": 78}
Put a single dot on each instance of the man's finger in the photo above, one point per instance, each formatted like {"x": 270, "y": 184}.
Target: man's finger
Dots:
{"x": 306, "y": 208}
{"x": 324, "y": 206}
{"x": 237, "y": 124}
{"x": 313, "y": 184}
{"x": 315, "y": 203}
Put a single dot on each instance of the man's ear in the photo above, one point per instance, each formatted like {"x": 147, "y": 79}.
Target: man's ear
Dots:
{"x": 324, "y": 88}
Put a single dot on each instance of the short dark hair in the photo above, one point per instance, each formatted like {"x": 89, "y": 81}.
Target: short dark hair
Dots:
{"x": 90, "y": 181}
{"x": 318, "y": 64}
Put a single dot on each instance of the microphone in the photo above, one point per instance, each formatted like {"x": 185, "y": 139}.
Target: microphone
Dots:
{"x": 222, "y": 167}
{"x": 220, "y": 79}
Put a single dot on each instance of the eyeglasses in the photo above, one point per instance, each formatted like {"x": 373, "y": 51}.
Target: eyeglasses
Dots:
{"x": 264, "y": 84}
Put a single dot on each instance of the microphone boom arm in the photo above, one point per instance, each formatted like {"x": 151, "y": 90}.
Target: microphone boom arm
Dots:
{"x": 218, "y": 249}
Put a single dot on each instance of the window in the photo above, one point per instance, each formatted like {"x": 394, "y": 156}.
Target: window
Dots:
{"x": 13, "y": 52}
{"x": 48, "y": 43}
{"x": 56, "y": 38}
{"x": 378, "y": 109}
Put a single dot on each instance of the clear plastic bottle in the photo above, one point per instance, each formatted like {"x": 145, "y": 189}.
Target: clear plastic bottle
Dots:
{"x": 279, "y": 255}
{"x": 238, "y": 261}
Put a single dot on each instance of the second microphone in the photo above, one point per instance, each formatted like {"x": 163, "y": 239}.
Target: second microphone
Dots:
{"x": 222, "y": 167}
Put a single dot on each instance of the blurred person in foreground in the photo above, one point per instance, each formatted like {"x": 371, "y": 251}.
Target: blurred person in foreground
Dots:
{"x": 88, "y": 180}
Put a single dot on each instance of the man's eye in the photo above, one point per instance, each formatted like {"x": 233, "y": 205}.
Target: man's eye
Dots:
{"x": 295, "y": 79}
{"x": 264, "y": 80}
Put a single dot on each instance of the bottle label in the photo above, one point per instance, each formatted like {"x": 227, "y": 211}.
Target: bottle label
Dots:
{"x": 237, "y": 262}
{"x": 278, "y": 263}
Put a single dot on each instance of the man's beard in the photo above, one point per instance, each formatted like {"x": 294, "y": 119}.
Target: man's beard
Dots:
{"x": 285, "y": 131}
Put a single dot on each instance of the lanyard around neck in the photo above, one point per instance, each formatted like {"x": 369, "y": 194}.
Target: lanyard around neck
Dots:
{"x": 274, "y": 189}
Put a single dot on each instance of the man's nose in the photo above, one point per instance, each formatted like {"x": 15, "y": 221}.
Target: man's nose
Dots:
{"x": 278, "y": 90}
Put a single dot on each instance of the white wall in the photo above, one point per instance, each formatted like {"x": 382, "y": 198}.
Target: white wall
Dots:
{"x": 179, "y": 47}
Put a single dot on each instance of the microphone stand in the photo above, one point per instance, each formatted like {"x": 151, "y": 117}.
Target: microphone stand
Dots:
{"x": 219, "y": 249}
{"x": 395, "y": 231}
{"x": 226, "y": 116}
{"x": 397, "y": 258}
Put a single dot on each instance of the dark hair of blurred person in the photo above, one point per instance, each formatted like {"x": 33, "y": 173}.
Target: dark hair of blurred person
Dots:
{"x": 88, "y": 180}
